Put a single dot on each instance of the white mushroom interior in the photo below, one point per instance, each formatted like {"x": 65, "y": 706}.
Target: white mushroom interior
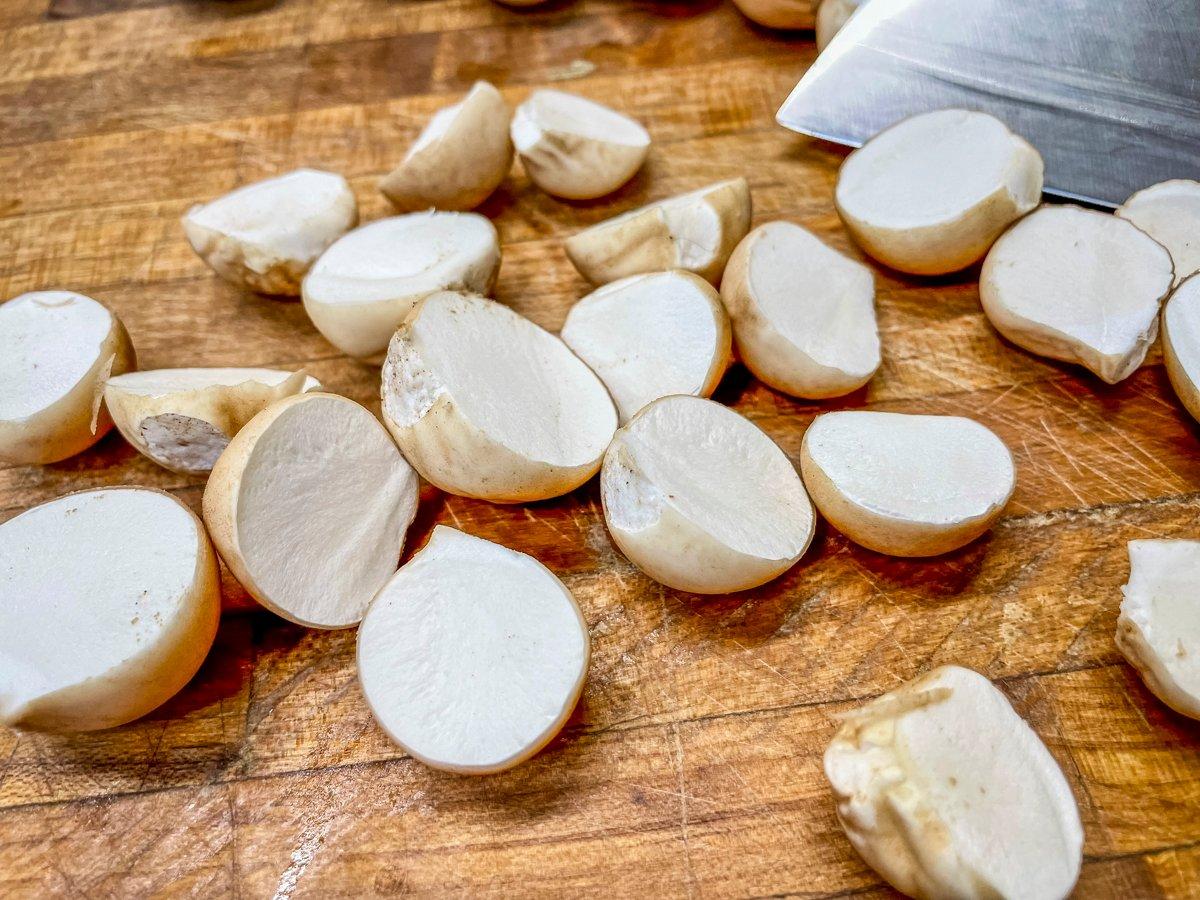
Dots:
{"x": 439, "y": 124}
{"x": 548, "y": 110}
{"x": 1170, "y": 213}
{"x": 1181, "y": 317}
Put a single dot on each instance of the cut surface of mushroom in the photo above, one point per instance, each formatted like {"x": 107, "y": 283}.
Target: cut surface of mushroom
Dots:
{"x": 266, "y": 235}
{"x": 486, "y": 404}
{"x": 803, "y": 314}
{"x": 1181, "y": 343}
{"x": 695, "y": 231}
{"x": 782, "y": 14}
{"x": 472, "y": 656}
{"x": 946, "y": 792}
{"x": 56, "y": 350}
{"x": 308, "y": 506}
{"x": 701, "y": 500}
{"x": 648, "y": 336}
{"x": 183, "y": 418}
{"x": 111, "y": 599}
{"x": 365, "y": 285}
{"x": 1079, "y": 286}
{"x": 1170, "y": 213}
{"x": 576, "y": 148}
{"x": 1159, "y": 626}
{"x": 906, "y": 485}
{"x": 831, "y": 16}
{"x": 930, "y": 194}
{"x": 458, "y": 159}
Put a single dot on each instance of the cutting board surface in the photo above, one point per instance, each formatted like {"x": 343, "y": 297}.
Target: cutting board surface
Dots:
{"x": 692, "y": 765}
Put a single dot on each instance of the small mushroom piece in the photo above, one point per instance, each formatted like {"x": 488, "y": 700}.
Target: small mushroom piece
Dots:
{"x": 1181, "y": 343}
{"x": 786, "y": 15}
{"x": 472, "y": 656}
{"x": 56, "y": 350}
{"x": 364, "y": 286}
{"x": 906, "y": 485}
{"x": 459, "y": 158}
{"x": 648, "y": 336}
{"x": 486, "y": 404}
{"x": 266, "y": 235}
{"x": 803, "y": 314}
{"x": 946, "y": 792}
{"x": 1080, "y": 286}
{"x": 930, "y": 194}
{"x": 1170, "y": 213}
{"x": 701, "y": 500}
{"x": 1158, "y": 630}
{"x": 695, "y": 232}
{"x": 831, "y": 16}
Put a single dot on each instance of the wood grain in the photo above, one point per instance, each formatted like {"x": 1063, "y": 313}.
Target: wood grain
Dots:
{"x": 692, "y": 766}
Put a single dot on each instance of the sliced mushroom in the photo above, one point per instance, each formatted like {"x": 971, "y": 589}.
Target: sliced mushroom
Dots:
{"x": 1181, "y": 343}
{"x": 783, "y": 14}
{"x": 831, "y": 16}
{"x": 1170, "y": 213}
{"x": 486, "y": 404}
{"x": 648, "y": 336}
{"x": 1080, "y": 286}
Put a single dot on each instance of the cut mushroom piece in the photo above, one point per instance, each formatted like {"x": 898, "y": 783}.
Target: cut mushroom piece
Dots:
{"x": 703, "y": 501}
{"x": 1181, "y": 343}
{"x": 1170, "y": 213}
{"x": 56, "y": 350}
{"x": 906, "y": 485}
{"x": 695, "y": 231}
{"x": 1159, "y": 626}
{"x": 930, "y": 194}
{"x": 111, "y": 600}
{"x": 576, "y": 148}
{"x": 308, "y": 506}
{"x": 460, "y": 157}
{"x": 648, "y": 336}
{"x": 946, "y": 792}
{"x": 486, "y": 404}
{"x": 783, "y": 14}
{"x": 1079, "y": 286}
{"x": 183, "y": 418}
{"x": 472, "y": 656}
{"x": 266, "y": 235}
{"x": 803, "y": 314}
{"x": 831, "y": 16}
{"x": 367, "y": 283}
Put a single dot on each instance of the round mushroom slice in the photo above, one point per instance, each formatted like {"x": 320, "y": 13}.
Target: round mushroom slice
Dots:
{"x": 183, "y": 418}
{"x": 906, "y": 485}
{"x": 264, "y": 236}
{"x": 1159, "y": 626}
{"x": 930, "y": 194}
{"x": 486, "y": 404}
{"x": 782, "y": 14}
{"x": 695, "y": 231}
{"x": 472, "y": 656}
{"x": 803, "y": 314}
{"x": 1079, "y": 286}
{"x": 946, "y": 792}
{"x": 1181, "y": 343}
{"x": 576, "y": 148}
{"x": 365, "y": 285}
{"x": 1170, "y": 213}
{"x": 648, "y": 336}
{"x": 111, "y": 600}
{"x": 832, "y": 15}
{"x": 701, "y": 500}
{"x": 56, "y": 350}
{"x": 308, "y": 506}
{"x": 459, "y": 158}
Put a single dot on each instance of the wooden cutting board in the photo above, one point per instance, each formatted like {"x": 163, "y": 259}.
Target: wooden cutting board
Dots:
{"x": 692, "y": 766}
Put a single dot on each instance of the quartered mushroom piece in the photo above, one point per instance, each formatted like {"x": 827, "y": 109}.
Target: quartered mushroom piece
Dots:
{"x": 1170, "y": 213}
{"x": 1181, "y": 343}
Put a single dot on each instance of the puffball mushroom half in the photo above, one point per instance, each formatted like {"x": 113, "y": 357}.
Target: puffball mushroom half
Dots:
{"x": 472, "y": 656}
{"x": 803, "y": 314}
{"x": 365, "y": 285}
{"x": 575, "y": 148}
{"x": 56, "y": 350}
{"x": 183, "y": 418}
{"x": 930, "y": 194}
{"x": 459, "y": 158}
{"x": 701, "y": 500}
{"x": 906, "y": 485}
{"x": 486, "y": 404}
{"x": 1159, "y": 626}
{"x": 946, "y": 792}
{"x": 308, "y": 506}
{"x": 831, "y": 16}
{"x": 1170, "y": 213}
{"x": 783, "y": 14}
{"x": 1080, "y": 286}
{"x": 648, "y": 336}
{"x": 111, "y": 600}
{"x": 1181, "y": 343}
{"x": 266, "y": 235}
{"x": 695, "y": 232}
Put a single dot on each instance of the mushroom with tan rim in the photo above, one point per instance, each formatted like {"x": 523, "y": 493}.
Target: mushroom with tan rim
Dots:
{"x": 1181, "y": 343}
{"x": 1170, "y": 213}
